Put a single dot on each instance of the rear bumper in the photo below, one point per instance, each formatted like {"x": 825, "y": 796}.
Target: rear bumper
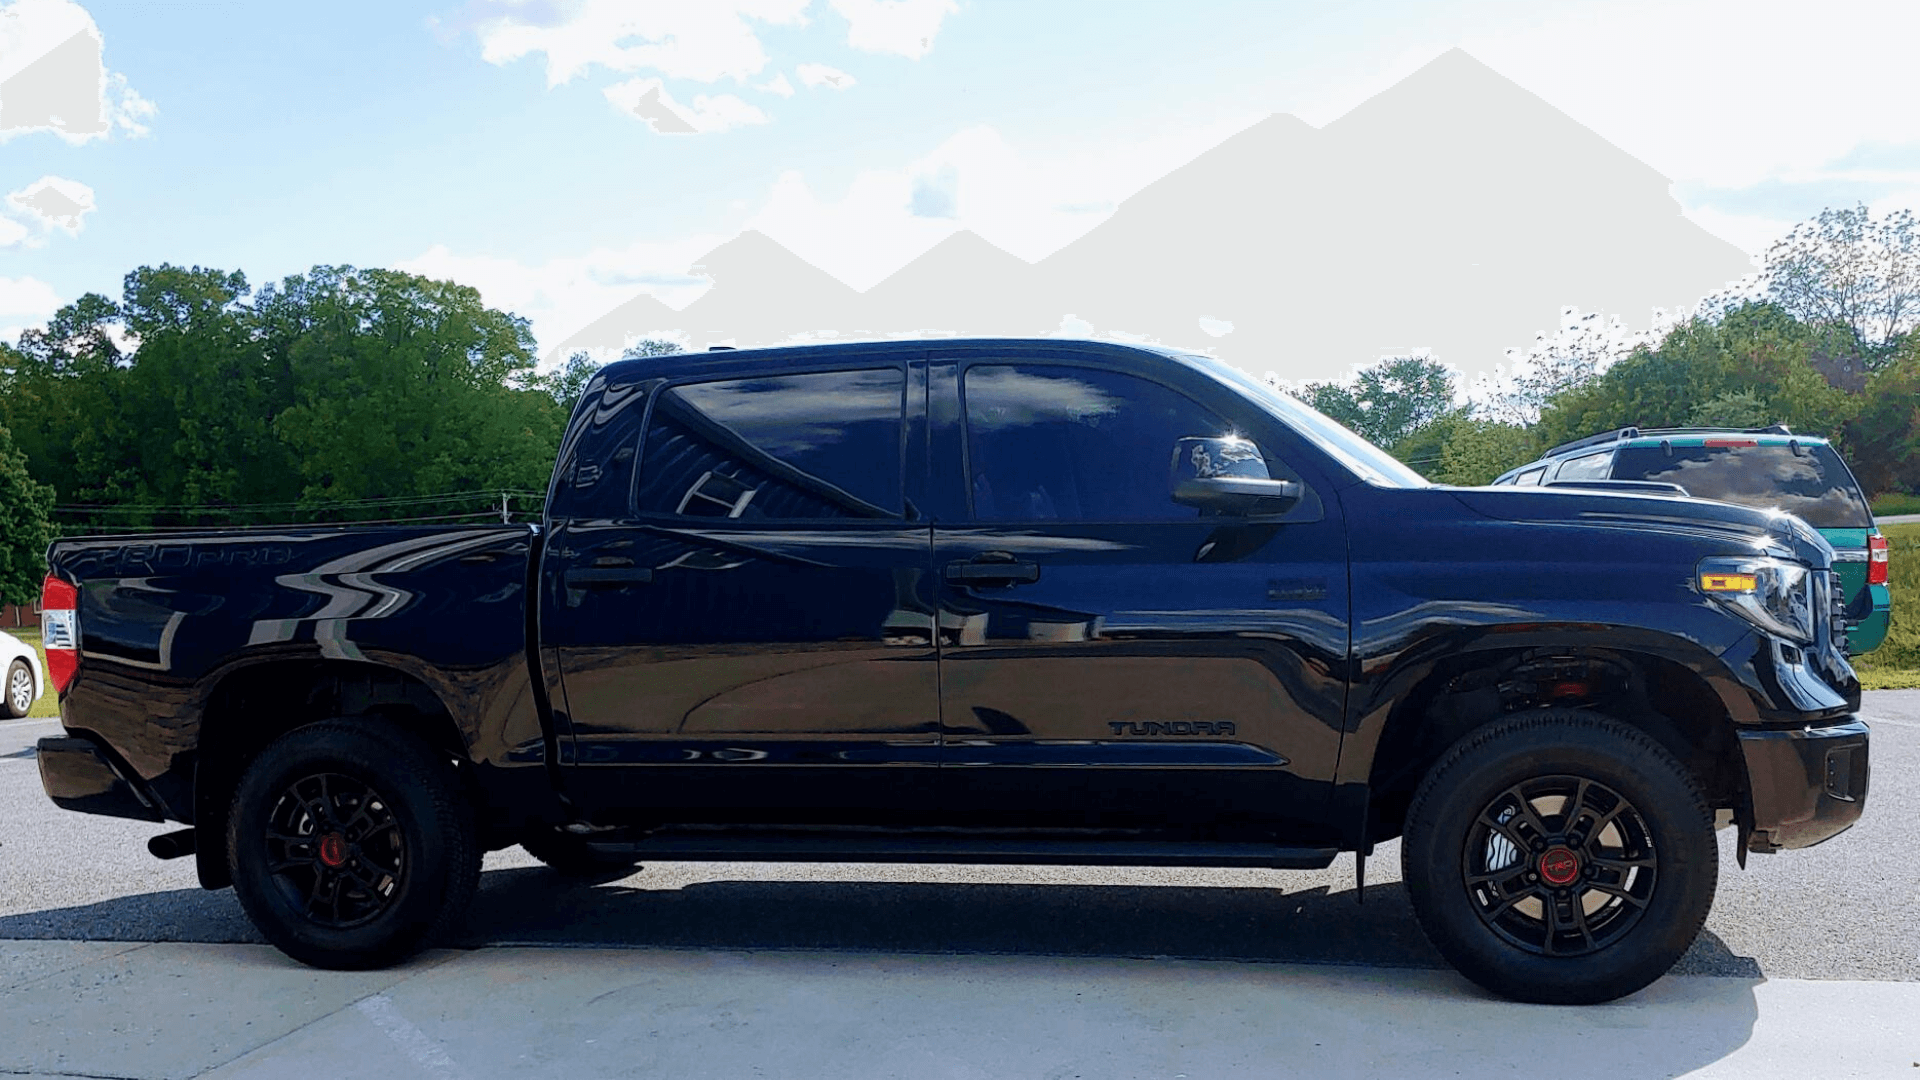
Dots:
{"x": 77, "y": 775}
{"x": 1807, "y": 784}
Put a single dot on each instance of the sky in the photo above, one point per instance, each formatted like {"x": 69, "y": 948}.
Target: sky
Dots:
{"x": 564, "y": 155}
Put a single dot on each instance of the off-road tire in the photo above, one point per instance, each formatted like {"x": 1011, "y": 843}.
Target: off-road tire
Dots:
{"x": 1446, "y": 815}
{"x": 420, "y": 798}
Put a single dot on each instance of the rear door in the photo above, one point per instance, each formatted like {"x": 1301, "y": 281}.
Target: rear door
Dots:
{"x": 747, "y": 636}
{"x": 1110, "y": 658}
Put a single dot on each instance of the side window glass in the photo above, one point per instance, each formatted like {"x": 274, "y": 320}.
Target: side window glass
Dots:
{"x": 1530, "y": 478}
{"x": 1047, "y": 443}
{"x": 823, "y": 445}
{"x": 1587, "y": 467}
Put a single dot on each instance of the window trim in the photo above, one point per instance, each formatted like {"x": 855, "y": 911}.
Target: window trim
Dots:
{"x": 965, "y": 364}
{"x": 898, "y": 517}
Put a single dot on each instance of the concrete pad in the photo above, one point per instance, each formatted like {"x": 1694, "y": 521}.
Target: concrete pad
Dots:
{"x": 23, "y": 962}
{"x": 170, "y": 1011}
{"x": 578, "y": 1014}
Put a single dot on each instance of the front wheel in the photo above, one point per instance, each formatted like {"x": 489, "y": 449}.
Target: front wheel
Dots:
{"x": 350, "y": 844}
{"x": 1560, "y": 857}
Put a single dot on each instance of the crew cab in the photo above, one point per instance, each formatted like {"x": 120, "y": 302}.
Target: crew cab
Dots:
{"x": 991, "y": 601}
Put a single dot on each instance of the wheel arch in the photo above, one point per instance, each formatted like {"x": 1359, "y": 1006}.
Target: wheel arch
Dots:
{"x": 252, "y": 705}
{"x": 1667, "y": 693}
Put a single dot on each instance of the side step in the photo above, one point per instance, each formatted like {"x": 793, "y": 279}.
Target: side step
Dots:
{"x": 959, "y": 847}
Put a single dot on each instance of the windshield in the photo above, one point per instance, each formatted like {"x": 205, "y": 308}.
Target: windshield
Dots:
{"x": 1813, "y": 484}
{"x": 1362, "y": 458}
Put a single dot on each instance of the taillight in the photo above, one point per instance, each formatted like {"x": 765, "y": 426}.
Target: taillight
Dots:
{"x": 60, "y": 630}
{"x": 1876, "y": 560}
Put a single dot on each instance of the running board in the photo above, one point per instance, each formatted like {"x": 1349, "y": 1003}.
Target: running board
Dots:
{"x": 756, "y": 846}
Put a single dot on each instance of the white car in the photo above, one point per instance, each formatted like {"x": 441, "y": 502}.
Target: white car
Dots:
{"x": 22, "y": 683}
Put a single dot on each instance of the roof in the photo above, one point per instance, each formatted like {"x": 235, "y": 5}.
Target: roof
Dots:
{"x": 799, "y": 356}
{"x": 1775, "y": 434}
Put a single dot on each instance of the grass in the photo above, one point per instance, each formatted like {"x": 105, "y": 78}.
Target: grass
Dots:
{"x": 1895, "y": 665}
{"x": 1888, "y": 503}
{"x": 48, "y": 704}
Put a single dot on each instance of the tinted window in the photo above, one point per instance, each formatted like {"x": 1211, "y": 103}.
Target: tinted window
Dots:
{"x": 1589, "y": 467}
{"x": 1075, "y": 444}
{"x": 1530, "y": 478}
{"x": 789, "y": 446}
{"x": 1812, "y": 484}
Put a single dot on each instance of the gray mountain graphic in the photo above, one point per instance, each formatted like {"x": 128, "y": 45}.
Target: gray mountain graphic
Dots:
{"x": 1455, "y": 211}
{"x": 60, "y": 90}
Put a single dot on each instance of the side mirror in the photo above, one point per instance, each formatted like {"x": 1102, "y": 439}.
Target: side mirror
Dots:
{"x": 1227, "y": 476}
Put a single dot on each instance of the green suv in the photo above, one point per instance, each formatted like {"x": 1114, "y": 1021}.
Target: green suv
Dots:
{"x": 1770, "y": 468}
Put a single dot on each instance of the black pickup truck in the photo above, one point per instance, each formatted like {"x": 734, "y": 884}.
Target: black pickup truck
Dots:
{"x": 977, "y": 601}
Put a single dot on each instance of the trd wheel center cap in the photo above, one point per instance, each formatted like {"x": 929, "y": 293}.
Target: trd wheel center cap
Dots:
{"x": 1558, "y": 866}
{"x": 333, "y": 850}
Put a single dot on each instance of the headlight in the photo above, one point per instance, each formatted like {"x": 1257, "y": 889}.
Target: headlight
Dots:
{"x": 1770, "y": 593}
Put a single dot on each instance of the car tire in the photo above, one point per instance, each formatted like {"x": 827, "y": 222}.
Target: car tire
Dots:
{"x": 19, "y": 683}
{"x": 351, "y": 844}
{"x": 573, "y": 856}
{"x": 1560, "y": 857}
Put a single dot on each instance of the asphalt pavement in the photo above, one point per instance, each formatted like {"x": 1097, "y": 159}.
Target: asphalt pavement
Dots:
{"x": 87, "y": 916}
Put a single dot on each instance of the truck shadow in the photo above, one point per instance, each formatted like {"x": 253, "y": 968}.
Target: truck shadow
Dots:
{"x": 1673, "y": 1027}
{"x": 535, "y": 906}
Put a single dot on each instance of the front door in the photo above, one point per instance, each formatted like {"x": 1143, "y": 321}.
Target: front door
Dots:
{"x": 1112, "y": 658}
{"x": 750, "y": 640}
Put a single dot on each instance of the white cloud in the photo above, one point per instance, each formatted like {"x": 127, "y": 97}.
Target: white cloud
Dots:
{"x": 12, "y": 232}
{"x": 561, "y": 296}
{"x": 1030, "y": 204}
{"x": 54, "y": 202}
{"x": 813, "y": 76}
{"x": 25, "y": 302}
{"x": 647, "y": 100}
{"x": 900, "y": 27}
{"x": 52, "y": 78}
{"x": 777, "y": 85}
{"x": 705, "y": 41}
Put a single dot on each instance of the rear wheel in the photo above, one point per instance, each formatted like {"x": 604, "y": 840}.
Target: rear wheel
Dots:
{"x": 1560, "y": 857}
{"x": 573, "y": 856}
{"x": 350, "y": 845}
{"x": 19, "y": 690}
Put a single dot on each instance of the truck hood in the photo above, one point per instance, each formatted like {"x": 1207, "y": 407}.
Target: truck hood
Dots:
{"x": 1785, "y": 534}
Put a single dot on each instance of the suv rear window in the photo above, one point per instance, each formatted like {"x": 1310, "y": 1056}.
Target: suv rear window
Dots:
{"x": 1813, "y": 484}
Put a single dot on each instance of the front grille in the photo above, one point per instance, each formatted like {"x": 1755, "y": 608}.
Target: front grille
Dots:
{"x": 1837, "y": 606}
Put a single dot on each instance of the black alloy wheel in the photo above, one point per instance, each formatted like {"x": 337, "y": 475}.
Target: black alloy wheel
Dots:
{"x": 352, "y": 843}
{"x": 1560, "y": 866}
{"x": 334, "y": 849}
{"x": 1560, "y": 856}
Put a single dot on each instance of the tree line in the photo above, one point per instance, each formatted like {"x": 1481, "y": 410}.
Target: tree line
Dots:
{"x": 1823, "y": 340}
{"x": 341, "y": 394}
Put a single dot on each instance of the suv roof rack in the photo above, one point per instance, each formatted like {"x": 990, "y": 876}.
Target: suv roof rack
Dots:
{"x": 1618, "y": 434}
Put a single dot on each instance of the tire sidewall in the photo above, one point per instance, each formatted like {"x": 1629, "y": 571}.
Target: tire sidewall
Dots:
{"x": 6, "y": 691}
{"x": 397, "y": 778}
{"x": 1646, "y": 776}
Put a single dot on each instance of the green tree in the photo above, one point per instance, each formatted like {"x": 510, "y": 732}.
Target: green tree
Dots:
{"x": 1756, "y": 352}
{"x": 1846, "y": 269}
{"x": 25, "y": 526}
{"x": 570, "y": 381}
{"x": 1387, "y": 401}
{"x": 403, "y": 386}
{"x": 1477, "y": 451}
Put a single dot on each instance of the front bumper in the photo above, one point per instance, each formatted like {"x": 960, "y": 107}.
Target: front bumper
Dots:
{"x": 77, "y": 775}
{"x": 1807, "y": 783}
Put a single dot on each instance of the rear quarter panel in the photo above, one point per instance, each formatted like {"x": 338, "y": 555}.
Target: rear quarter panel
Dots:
{"x": 164, "y": 619}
